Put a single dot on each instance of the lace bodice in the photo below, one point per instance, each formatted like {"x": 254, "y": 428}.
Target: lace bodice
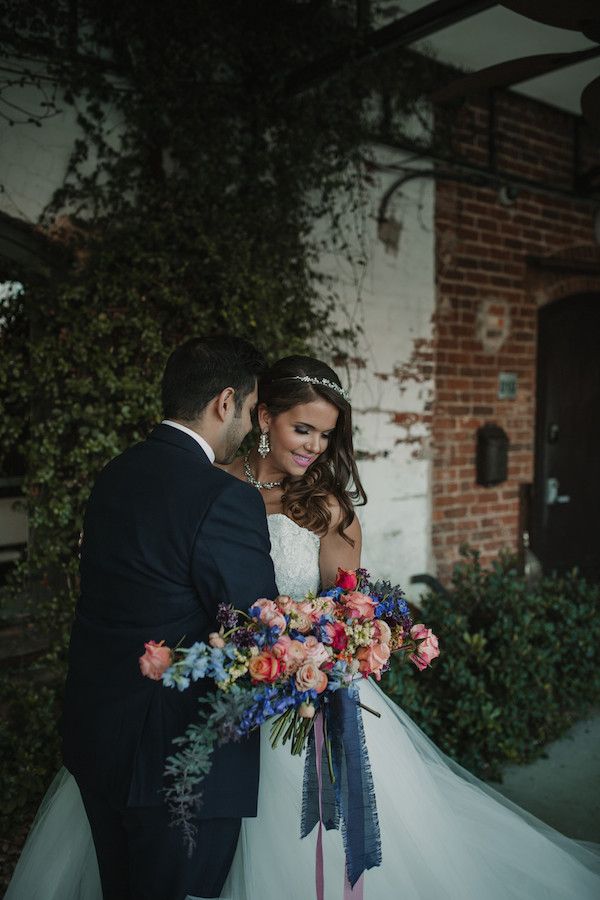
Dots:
{"x": 295, "y": 552}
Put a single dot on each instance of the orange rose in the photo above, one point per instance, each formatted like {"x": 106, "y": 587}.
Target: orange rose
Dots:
{"x": 156, "y": 660}
{"x": 372, "y": 659}
{"x": 264, "y": 667}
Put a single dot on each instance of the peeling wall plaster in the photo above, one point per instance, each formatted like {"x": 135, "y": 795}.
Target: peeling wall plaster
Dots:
{"x": 391, "y": 376}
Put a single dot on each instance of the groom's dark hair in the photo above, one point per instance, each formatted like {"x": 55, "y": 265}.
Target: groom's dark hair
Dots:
{"x": 201, "y": 368}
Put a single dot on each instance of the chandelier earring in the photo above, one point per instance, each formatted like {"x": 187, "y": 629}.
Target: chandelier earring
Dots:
{"x": 263, "y": 445}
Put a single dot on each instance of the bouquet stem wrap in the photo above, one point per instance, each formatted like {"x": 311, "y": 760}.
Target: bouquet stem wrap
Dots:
{"x": 349, "y": 801}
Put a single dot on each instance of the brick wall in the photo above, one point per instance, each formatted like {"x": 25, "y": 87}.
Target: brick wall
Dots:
{"x": 486, "y": 310}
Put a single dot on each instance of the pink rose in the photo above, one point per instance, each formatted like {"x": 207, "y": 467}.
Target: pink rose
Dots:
{"x": 290, "y": 652}
{"x": 296, "y": 655}
{"x": 327, "y": 606}
{"x": 359, "y": 606}
{"x": 309, "y": 608}
{"x": 156, "y": 660}
{"x": 284, "y": 603}
{"x": 281, "y": 647}
{"x": 310, "y": 678}
{"x": 427, "y": 648}
{"x": 215, "y": 639}
{"x": 315, "y": 651}
{"x": 381, "y": 631}
{"x": 346, "y": 579}
{"x": 372, "y": 659}
{"x": 270, "y": 614}
{"x": 336, "y": 633}
{"x": 264, "y": 667}
{"x": 306, "y": 711}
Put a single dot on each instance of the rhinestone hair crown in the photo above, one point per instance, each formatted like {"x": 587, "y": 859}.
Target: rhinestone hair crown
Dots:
{"x": 324, "y": 382}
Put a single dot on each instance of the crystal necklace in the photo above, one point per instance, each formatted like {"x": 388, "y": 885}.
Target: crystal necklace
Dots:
{"x": 261, "y": 485}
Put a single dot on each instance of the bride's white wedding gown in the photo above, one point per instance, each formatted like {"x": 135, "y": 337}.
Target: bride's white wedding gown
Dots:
{"x": 445, "y": 834}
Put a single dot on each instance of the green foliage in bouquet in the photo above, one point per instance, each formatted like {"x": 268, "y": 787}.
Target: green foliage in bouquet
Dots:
{"x": 519, "y": 664}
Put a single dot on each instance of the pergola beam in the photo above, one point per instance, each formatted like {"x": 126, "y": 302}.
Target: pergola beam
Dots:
{"x": 410, "y": 28}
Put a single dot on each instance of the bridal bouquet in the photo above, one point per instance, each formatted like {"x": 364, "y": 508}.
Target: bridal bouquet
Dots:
{"x": 281, "y": 661}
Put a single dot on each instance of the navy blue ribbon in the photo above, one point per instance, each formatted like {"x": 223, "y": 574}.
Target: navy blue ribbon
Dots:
{"x": 348, "y": 803}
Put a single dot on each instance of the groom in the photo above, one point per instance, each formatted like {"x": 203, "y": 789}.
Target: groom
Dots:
{"x": 167, "y": 536}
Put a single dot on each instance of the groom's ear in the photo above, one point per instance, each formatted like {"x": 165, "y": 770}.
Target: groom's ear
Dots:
{"x": 225, "y": 403}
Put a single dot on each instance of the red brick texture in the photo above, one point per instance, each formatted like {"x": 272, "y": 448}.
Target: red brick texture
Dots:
{"x": 482, "y": 250}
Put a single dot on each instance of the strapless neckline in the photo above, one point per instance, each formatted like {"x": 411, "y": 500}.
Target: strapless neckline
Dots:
{"x": 295, "y": 524}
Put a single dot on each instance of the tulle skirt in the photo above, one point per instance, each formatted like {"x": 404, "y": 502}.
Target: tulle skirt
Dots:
{"x": 445, "y": 834}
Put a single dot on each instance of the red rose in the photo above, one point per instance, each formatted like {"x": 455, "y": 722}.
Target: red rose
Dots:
{"x": 346, "y": 579}
{"x": 336, "y": 633}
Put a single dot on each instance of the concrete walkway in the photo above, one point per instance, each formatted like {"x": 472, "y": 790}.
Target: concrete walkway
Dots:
{"x": 563, "y": 788}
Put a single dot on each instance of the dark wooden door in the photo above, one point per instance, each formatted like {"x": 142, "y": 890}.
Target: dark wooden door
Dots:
{"x": 566, "y": 498}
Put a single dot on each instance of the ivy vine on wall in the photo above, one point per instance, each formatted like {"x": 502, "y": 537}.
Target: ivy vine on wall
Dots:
{"x": 188, "y": 206}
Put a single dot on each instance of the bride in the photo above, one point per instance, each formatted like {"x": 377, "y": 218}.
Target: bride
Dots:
{"x": 445, "y": 834}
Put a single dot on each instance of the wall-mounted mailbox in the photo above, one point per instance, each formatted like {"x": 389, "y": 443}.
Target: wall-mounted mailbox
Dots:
{"x": 492, "y": 455}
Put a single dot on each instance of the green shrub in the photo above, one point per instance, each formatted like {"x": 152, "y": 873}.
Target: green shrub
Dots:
{"x": 30, "y": 743}
{"x": 518, "y": 664}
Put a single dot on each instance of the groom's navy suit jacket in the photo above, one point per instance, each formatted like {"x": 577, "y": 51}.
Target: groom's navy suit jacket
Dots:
{"x": 167, "y": 536}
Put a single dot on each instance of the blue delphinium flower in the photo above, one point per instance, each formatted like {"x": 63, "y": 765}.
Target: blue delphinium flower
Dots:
{"x": 173, "y": 678}
{"x": 297, "y": 635}
{"x": 200, "y": 667}
{"x": 217, "y": 667}
{"x": 267, "y": 636}
{"x": 339, "y": 675}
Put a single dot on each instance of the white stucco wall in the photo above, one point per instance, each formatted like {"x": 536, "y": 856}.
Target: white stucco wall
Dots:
{"x": 34, "y": 159}
{"x": 390, "y": 374}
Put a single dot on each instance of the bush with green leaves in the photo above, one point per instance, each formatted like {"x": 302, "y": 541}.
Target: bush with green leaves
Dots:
{"x": 518, "y": 664}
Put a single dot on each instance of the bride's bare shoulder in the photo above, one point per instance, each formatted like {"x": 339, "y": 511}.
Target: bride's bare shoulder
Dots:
{"x": 336, "y": 512}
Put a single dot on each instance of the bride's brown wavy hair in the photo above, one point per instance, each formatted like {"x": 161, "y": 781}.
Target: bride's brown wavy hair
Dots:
{"x": 334, "y": 473}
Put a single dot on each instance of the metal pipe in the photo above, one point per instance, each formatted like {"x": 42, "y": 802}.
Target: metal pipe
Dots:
{"x": 471, "y": 174}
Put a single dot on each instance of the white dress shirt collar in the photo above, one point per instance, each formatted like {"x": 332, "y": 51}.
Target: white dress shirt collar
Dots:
{"x": 197, "y": 437}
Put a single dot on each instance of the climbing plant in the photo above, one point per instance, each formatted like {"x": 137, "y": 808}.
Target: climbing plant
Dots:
{"x": 202, "y": 161}
{"x": 205, "y": 153}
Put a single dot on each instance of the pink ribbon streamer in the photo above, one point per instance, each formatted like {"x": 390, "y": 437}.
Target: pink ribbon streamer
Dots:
{"x": 350, "y": 893}
{"x": 353, "y": 893}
